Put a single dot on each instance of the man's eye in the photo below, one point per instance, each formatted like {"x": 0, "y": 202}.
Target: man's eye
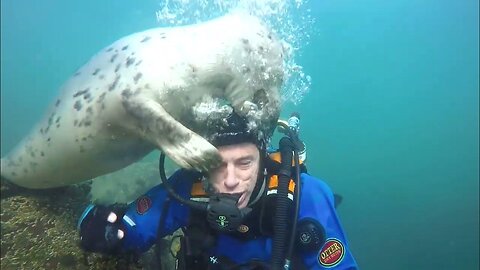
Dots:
{"x": 245, "y": 163}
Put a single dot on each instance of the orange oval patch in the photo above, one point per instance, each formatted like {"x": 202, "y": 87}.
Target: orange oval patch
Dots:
{"x": 332, "y": 253}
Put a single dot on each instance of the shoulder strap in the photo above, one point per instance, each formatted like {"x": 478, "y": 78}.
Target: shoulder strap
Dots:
{"x": 198, "y": 238}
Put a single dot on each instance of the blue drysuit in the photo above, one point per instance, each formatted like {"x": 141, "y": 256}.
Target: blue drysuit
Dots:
{"x": 142, "y": 219}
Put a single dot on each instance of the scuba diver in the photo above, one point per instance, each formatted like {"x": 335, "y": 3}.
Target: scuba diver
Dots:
{"x": 251, "y": 212}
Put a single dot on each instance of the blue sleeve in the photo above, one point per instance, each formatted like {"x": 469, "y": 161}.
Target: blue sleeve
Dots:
{"x": 317, "y": 202}
{"x": 142, "y": 218}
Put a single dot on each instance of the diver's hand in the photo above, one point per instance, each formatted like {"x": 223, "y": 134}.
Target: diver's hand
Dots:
{"x": 101, "y": 229}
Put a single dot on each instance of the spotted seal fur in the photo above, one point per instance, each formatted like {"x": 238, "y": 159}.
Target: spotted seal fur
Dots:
{"x": 137, "y": 95}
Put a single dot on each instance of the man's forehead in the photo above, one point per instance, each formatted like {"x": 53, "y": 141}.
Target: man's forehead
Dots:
{"x": 238, "y": 150}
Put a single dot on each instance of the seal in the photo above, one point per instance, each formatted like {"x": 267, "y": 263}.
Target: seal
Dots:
{"x": 138, "y": 95}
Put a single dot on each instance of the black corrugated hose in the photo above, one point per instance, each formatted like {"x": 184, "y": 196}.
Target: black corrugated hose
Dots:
{"x": 280, "y": 226}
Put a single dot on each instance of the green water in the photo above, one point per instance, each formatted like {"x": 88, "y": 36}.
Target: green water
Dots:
{"x": 391, "y": 120}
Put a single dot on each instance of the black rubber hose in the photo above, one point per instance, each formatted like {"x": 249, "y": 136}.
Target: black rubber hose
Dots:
{"x": 195, "y": 205}
{"x": 280, "y": 226}
{"x": 297, "y": 205}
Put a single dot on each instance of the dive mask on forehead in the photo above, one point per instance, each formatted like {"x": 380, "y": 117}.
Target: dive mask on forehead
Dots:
{"x": 233, "y": 129}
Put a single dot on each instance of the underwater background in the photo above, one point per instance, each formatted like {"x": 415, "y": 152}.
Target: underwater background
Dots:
{"x": 391, "y": 118}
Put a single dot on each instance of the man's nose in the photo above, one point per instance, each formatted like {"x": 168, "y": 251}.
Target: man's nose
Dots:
{"x": 231, "y": 181}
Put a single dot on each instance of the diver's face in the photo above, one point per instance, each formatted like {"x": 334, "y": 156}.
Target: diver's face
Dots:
{"x": 238, "y": 171}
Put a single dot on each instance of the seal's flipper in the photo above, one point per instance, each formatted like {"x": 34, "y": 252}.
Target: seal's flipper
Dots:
{"x": 188, "y": 149}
